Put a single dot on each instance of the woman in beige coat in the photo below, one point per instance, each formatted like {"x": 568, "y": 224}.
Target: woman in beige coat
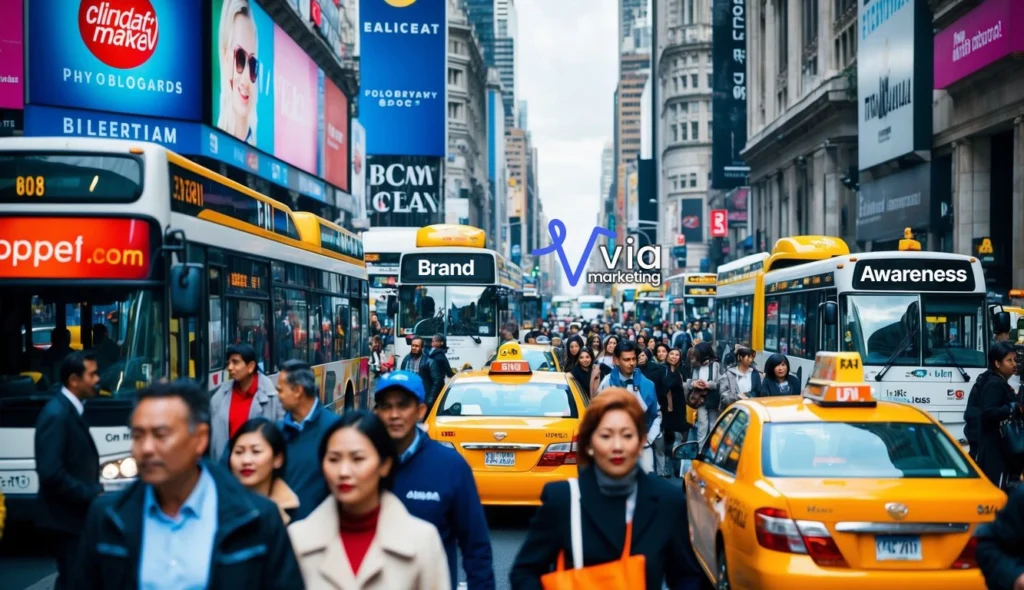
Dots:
{"x": 362, "y": 537}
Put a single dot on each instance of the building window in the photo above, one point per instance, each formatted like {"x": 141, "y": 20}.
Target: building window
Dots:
{"x": 690, "y": 12}
{"x": 455, "y": 77}
{"x": 693, "y": 180}
{"x": 675, "y": 84}
{"x": 782, "y": 35}
{"x": 684, "y": 107}
{"x": 675, "y": 133}
{"x": 456, "y": 111}
{"x": 694, "y": 132}
{"x": 682, "y": 132}
{"x": 810, "y": 42}
{"x": 709, "y": 81}
{"x": 683, "y": 80}
{"x": 693, "y": 81}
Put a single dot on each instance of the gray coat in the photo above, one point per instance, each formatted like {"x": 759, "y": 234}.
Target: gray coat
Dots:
{"x": 266, "y": 404}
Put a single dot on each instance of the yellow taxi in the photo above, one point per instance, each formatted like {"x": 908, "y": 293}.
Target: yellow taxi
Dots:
{"x": 541, "y": 357}
{"x": 832, "y": 489}
{"x": 515, "y": 427}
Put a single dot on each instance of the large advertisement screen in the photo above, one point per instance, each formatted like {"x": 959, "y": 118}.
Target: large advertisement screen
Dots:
{"x": 335, "y": 136}
{"x": 74, "y": 248}
{"x": 12, "y": 57}
{"x": 138, "y": 57}
{"x": 729, "y": 94}
{"x": 403, "y": 68}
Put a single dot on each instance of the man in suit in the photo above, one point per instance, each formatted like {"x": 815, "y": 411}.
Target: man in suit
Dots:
{"x": 67, "y": 461}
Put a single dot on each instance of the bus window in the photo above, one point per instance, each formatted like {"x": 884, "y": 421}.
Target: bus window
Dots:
{"x": 878, "y": 325}
{"x": 291, "y": 318}
{"x": 471, "y": 311}
{"x": 422, "y": 310}
{"x": 954, "y": 328}
{"x": 247, "y": 324}
{"x": 216, "y": 322}
{"x": 798, "y": 325}
{"x": 355, "y": 331}
{"x": 771, "y": 324}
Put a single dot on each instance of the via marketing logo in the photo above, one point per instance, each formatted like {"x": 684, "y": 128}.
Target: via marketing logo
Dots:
{"x": 641, "y": 265}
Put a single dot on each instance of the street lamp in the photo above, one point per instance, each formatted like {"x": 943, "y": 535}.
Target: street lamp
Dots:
{"x": 635, "y": 226}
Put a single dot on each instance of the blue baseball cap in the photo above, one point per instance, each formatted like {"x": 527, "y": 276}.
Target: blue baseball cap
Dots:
{"x": 406, "y": 381}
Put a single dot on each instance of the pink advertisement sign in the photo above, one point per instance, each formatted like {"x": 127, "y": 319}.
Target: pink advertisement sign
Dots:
{"x": 295, "y": 104}
{"x": 990, "y": 32}
{"x": 12, "y": 55}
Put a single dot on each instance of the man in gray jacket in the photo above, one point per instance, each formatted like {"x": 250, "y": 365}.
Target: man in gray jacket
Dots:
{"x": 246, "y": 394}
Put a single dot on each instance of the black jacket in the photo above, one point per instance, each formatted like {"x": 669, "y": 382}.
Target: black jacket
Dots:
{"x": 439, "y": 356}
{"x": 1000, "y": 551}
{"x": 996, "y": 399}
{"x": 251, "y": 549}
{"x": 972, "y": 415}
{"x": 660, "y": 533}
{"x": 433, "y": 380}
{"x": 770, "y": 386}
{"x": 68, "y": 466}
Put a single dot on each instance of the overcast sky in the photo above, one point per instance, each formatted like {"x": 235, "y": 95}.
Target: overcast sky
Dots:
{"x": 567, "y": 73}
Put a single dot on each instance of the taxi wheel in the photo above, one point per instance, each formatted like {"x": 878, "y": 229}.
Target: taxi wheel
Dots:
{"x": 722, "y": 578}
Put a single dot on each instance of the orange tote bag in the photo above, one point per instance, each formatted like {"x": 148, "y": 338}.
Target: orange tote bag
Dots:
{"x": 627, "y": 573}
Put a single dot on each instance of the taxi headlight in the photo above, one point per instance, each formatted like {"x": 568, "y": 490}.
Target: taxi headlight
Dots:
{"x": 125, "y": 468}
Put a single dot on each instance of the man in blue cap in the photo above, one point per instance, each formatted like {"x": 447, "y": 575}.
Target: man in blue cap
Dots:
{"x": 434, "y": 482}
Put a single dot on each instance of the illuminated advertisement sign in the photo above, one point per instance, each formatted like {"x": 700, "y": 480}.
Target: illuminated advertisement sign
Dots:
{"x": 12, "y": 58}
{"x": 138, "y": 57}
{"x": 358, "y": 174}
{"x": 334, "y": 137}
{"x": 74, "y": 248}
{"x": 40, "y": 121}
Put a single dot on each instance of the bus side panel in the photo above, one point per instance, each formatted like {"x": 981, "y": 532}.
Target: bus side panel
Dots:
{"x": 757, "y": 331}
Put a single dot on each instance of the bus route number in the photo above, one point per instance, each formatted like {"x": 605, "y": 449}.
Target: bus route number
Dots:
{"x": 30, "y": 186}
{"x": 188, "y": 191}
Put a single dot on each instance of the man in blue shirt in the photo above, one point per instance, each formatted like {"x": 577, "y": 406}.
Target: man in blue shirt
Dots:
{"x": 434, "y": 482}
{"x": 186, "y": 524}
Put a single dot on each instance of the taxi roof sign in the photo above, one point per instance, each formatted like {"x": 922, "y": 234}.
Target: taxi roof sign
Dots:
{"x": 510, "y": 361}
{"x": 838, "y": 380}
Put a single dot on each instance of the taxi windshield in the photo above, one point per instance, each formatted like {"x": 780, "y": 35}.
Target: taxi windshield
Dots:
{"x": 877, "y": 450}
{"x": 529, "y": 400}
{"x": 540, "y": 360}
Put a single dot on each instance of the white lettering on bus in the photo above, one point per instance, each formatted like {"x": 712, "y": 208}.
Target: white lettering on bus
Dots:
{"x": 442, "y": 269}
{"x": 901, "y": 275}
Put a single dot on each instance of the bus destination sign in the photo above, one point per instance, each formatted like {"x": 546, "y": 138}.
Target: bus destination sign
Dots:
{"x": 448, "y": 269}
{"x": 914, "y": 275}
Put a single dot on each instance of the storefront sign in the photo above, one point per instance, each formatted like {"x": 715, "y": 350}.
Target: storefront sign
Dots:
{"x": 885, "y": 207}
{"x": 729, "y": 98}
{"x": 894, "y": 79}
{"x": 990, "y": 32}
{"x": 74, "y": 248}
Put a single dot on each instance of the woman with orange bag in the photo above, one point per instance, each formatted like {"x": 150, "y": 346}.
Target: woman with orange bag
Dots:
{"x": 616, "y": 527}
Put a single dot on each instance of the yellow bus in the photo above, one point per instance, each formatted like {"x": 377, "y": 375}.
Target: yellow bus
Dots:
{"x": 623, "y": 300}
{"x": 691, "y": 296}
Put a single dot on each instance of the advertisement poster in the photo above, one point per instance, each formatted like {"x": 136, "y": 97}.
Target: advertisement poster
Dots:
{"x": 691, "y": 222}
{"x": 137, "y": 57}
{"x": 12, "y": 56}
{"x": 729, "y": 94}
{"x": 295, "y": 103}
{"x": 405, "y": 191}
{"x": 74, "y": 248}
{"x": 403, "y": 67}
{"x": 359, "y": 166}
{"x": 335, "y": 137}
{"x": 990, "y": 32}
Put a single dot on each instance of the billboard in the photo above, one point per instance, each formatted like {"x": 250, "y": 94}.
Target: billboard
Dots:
{"x": 181, "y": 136}
{"x": 358, "y": 175}
{"x": 691, "y": 220}
{"x": 894, "y": 80}
{"x": 405, "y": 191}
{"x": 12, "y": 56}
{"x": 334, "y": 136}
{"x": 403, "y": 67}
{"x": 729, "y": 94}
{"x": 138, "y": 57}
{"x": 889, "y": 204}
{"x": 987, "y": 34}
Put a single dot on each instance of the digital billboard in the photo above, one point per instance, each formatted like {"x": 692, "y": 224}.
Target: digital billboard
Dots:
{"x": 12, "y": 56}
{"x": 137, "y": 57}
{"x": 334, "y": 137}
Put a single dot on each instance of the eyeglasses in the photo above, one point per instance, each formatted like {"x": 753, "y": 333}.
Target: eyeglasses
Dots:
{"x": 243, "y": 57}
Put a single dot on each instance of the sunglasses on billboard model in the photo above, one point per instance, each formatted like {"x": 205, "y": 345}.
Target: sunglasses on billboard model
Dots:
{"x": 243, "y": 57}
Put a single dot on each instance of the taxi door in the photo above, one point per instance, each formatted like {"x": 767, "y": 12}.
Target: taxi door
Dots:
{"x": 726, "y": 509}
{"x": 700, "y": 503}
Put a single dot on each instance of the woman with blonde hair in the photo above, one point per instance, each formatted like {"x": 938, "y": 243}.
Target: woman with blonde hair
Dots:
{"x": 239, "y": 70}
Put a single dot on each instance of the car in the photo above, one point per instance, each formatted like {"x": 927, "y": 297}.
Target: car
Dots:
{"x": 833, "y": 489}
{"x": 541, "y": 357}
{"x": 516, "y": 427}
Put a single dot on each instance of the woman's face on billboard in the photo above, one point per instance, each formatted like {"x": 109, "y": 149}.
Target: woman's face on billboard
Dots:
{"x": 244, "y": 55}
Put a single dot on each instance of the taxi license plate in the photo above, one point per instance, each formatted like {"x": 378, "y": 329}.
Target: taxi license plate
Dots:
{"x": 898, "y": 548}
{"x": 500, "y": 459}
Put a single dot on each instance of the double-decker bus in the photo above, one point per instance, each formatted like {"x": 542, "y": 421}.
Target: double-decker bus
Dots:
{"x": 919, "y": 320}
{"x": 452, "y": 285}
{"x": 650, "y": 305}
{"x": 103, "y": 239}
{"x": 383, "y": 247}
{"x": 691, "y": 296}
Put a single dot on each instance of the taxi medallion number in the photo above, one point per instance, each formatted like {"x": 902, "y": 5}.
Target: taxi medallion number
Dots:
{"x": 898, "y": 548}
{"x": 500, "y": 459}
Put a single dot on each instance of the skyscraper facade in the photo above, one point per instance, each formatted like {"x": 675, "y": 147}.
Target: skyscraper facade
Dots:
{"x": 495, "y": 24}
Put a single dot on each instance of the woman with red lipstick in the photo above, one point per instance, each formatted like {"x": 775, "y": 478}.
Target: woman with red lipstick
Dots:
{"x": 257, "y": 458}
{"x": 362, "y": 537}
{"x": 620, "y": 504}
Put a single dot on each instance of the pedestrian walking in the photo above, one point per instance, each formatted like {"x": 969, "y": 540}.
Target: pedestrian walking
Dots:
{"x": 972, "y": 414}
{"x": 246, "y": 394}
{"x": 628, "y": 512}
{"x": 434, "y": 482}
{"x": 258, "y": 456}
{"x": 439, "y": 356}
{"x": 67, "y": 462}
{"x": 673, "y": 410}
{"x": 418, "y": 361}
{"x": 741, "y": 381}
{"x": 304, "y": 424}
{"x": 1000, "y": 550}
{"x": 380, "y": 546}
{"x": 626, "y": 376}
{"x": 999, "y": 402}
{"x": 185, "y": 524}
{"x": 702, "y": 389}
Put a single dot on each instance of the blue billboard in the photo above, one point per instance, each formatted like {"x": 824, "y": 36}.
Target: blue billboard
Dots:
{"x": 138, "y": 57}
{"x": 403, "y": 65}
{"x": 180, "y": 136}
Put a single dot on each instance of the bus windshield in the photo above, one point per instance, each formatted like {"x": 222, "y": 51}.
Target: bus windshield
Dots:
{"x": 953, "y": 329}
{"x": 649, "y": 311}
{"x": 698, "y": 308}
{"x": 122, "y": 328}
{"x": 454, "y": 311}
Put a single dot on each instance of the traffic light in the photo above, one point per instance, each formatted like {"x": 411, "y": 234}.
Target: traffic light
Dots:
{"x": 535, "y": 272}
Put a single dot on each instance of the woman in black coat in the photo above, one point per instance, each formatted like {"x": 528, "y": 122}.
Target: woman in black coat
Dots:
{"x": 613, "y": 491}
{"x": 777, "y": 379}
{"x": 998, "y": 403}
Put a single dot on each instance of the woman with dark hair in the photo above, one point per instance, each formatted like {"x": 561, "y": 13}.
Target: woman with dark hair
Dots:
{"x": 607, "y": 355}
{"x": 588, "y": 373}
{"x": 661, "y": 352}
{"x": 673, "y": 406}
{"x": 628, "y": 512}
{"x": 398, "y": 550}
{"x": 573, "y": 346}
{"x": 702, "y": 388}
{"x": 999, "y": 402}
{"x": 742, "y": 381}
{"x": 594, "y": 344}
{"x": 777, "y": 378}
{"x": 257, "y": 456}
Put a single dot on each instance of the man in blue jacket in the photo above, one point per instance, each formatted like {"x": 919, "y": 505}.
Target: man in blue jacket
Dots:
{"x": 434, "y": 482}
{"x": 625, "y": 375}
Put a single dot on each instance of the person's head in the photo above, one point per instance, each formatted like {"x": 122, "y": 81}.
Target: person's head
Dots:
{"x": 703, "y": 353}
{"x": 99, "y": 333}
{"x": 641, "y": 340}
{"x": 241, "y": 362}
{"x": 296, "y": 385}
{"x": 643, "y": 356}
{"x": 358, "y": 457}
{"x": 170, "y": 427}
{"x": 612, "y": 432}
{"x": 777, "y": 367}
{"x": 258, "y": 453}
{"x": 1002, "y": 358}
{"x": 531, "y": 338}
{"x": 239, "y": 67}
{"x": 556, "y": 341}
{"x": 400, "y": 403}
{"x": 674, "y": 358}
{"x": 595, "y": 341}
{"x": 626, "y": 357}
{"x": 660, "y": 352}
{"x": 585, "y": 359}
{"x": 416, "y": 346}
{"x": 744, "y": 357}
{"x": 439, "y": 341}
{"x": 80, "y": 374}
{"x": 376, "y": 344}
{"x": 610, "y": 343}
{"x": 574, "y": 346}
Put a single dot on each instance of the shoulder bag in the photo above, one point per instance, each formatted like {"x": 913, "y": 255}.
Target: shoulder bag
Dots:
{"x": 625, "y": 573}
{"x": 1012, "y": 432}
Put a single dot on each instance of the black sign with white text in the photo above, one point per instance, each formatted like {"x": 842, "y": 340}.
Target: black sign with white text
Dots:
{"x": 896, "y": 274}
{"x": 404, "y": 191}
{"x": 729, "y": 94}
{"x": 447, "y": 269}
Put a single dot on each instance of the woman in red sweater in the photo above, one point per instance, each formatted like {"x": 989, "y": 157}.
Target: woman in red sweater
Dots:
{"x": 362, "y": 537}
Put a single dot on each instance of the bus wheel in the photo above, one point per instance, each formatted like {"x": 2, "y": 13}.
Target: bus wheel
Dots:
{"x": 350, "y": 398}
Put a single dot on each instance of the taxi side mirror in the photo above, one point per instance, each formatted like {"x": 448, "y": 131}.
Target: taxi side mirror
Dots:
{"x": 830, "y": 313}
{"x": 1001, "y": 322}
{"x": 686, "y": 451}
